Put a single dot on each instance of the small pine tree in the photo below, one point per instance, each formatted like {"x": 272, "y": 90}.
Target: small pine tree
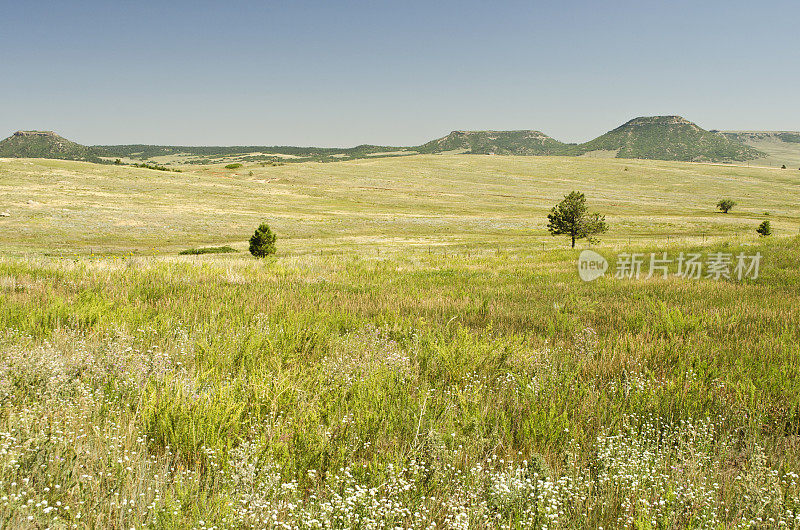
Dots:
{"x": 725, "y": 205}
{"x": 783, "y": 166}
{"x": 262, "y": 244}
{"x": 571, "y": 217}
{"x": 764, "y": 229}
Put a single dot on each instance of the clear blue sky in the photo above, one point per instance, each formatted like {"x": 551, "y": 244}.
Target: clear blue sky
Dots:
{"x": 398, "y": 73}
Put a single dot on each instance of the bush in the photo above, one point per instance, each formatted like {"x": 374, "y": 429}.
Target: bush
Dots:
{"x": 208, "y": 250}
{"x": 156, "y": 167}
{"x": 262, "y": 244}
{"x": 764, "y": 229}
{"x": 233, "y": 166}
{"x": 725, "y": 205}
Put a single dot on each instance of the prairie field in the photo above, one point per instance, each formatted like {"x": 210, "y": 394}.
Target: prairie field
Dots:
{"x": 456, "y": 202}
{"x": 420, "y": 352}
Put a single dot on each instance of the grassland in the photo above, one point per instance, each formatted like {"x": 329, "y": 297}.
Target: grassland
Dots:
{"x": 418, "y": 352}
{"x": 442, "y": 201}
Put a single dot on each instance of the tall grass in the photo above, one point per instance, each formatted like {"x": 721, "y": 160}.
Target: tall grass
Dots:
{"x": 489, "y": 390}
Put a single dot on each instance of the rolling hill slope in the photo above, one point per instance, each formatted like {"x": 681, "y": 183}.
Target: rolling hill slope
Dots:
{"x": 245, "y": 153}
{"x": 780, "y": 147}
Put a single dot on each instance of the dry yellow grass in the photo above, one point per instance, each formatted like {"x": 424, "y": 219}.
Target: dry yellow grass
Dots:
{"x": 461, "y": 201}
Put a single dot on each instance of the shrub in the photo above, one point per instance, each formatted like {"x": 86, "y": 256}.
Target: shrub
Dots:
{"x": 764, "y": 229}
{"x": 208, "y": 250}
{"x": 262, "y": 243}
{"x": 233, "y": 166}
{"x": 156, "y": 167}
{"x": 725, "y": 205}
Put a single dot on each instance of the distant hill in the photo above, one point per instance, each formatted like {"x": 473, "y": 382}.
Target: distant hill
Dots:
{"x": 45, "y": 144}
{"x": 670, "y": 138}
{"x": 789, "y": 137}
{"x": 652, "y": 137}
{"x": 246, "y": 153}
{"x": 780, "y": 147}
{"x": 496, "y": 143}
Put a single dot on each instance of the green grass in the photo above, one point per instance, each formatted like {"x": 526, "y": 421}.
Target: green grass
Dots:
{"x": 411, "y": 351}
